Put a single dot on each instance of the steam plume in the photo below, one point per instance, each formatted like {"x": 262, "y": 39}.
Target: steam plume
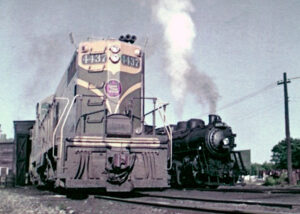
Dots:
{"x": 179, "y": 35}
{"x": 203, "y": 88}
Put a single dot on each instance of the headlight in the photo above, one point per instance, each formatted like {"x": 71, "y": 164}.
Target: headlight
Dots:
{"x": 226, "y": 141}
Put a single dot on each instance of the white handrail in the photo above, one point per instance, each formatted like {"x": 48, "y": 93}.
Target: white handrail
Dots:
{"x": 54, "y": 132}
{"x": 169, "y": 133}
{"x": 63, "y": 125}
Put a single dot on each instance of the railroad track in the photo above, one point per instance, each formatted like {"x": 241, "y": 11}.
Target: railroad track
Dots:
{"x": 202, "y": 204}
{"x": 251, "y": 190}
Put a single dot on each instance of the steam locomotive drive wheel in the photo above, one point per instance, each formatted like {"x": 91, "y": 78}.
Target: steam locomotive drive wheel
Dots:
{"x": 182, "y": 176}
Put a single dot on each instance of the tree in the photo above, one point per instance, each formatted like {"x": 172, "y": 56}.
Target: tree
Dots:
{"x": 267, "y": 166}
{"x": 279, "y": 156}
{"x": 256, "y": 167}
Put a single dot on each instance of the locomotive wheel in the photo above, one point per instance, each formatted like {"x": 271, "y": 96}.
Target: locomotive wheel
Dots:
{"x": 199, "y": 179}
{"x": 183, "y": 175}
{"x": 44, "y": 178}
{"x": 33, "y": 179}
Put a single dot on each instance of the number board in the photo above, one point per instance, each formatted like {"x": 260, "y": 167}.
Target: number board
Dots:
{"x": 93, "y": 58}
{"x": 130, "y": 61}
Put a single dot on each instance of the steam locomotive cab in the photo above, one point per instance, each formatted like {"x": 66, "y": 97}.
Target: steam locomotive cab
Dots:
{"x": 96, "y": 138}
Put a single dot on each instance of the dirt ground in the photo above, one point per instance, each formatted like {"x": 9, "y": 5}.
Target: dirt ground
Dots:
{"x": 32, "y": 200}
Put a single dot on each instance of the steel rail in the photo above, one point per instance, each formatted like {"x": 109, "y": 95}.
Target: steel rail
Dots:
{"x": 267, "y": 190}
{"x": 173, "y": 205}
{"x": 248, "y": 202}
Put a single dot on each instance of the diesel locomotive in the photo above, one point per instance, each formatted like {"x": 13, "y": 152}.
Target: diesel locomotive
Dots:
{"x": 203, "y": 155}
{"x": 90, "y": 133}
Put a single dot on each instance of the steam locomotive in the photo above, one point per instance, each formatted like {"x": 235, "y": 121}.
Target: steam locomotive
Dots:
{"x": 202, "y": 155}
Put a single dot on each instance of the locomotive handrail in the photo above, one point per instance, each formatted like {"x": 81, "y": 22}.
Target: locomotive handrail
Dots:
{"x": 154, "y": 99}
{"x": 163, "y": 117}
{"x": 63, "y": 125}
{"x": 158, "y": 108}
{"x": 168, "y": 131}
{"x": 54, "y": 132}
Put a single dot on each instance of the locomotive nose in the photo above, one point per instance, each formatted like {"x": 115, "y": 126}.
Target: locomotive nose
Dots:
{"x": 220, "y": 141}
{"x": 217, "y": 139}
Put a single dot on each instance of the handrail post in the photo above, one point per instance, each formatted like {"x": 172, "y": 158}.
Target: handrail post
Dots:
{"x": 63, "y": 125}
{"x": 58, "y": 123}
{"x": 153, "y": 116}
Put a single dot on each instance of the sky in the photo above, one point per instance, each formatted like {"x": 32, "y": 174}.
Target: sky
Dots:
{"x": 241, "y": 48}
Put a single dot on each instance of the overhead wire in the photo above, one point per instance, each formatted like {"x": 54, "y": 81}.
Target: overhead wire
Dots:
{"x": 293, "y": 78}
{"x": 248, "y": 96}
{"x": 253, "y": 94}
{"x": 258, "y": 112}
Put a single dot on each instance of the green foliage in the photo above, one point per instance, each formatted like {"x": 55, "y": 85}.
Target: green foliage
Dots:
{"x": 256, "y": 167}
{"x": 268, "y": 166}
{"x": 270, "y": 181}
{"x": 282, "y": 179}
{"x": 279, "y": 156}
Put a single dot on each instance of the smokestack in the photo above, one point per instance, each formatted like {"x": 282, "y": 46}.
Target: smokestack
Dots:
{"x": 212, "y": 118}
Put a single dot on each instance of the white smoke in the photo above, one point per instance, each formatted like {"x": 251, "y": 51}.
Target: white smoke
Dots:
{"x": 179, "y": 35}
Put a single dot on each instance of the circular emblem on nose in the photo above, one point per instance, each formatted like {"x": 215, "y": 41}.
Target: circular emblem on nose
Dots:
{"x": 113, "y": 88}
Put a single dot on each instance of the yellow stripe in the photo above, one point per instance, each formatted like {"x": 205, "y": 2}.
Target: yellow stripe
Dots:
{"x": 135, "y": 142}
{"x": 116, "y": 145}
{"x": 116, "y": 140}
{"x": 129, "y": 91}
{"x": 93, "y": 88}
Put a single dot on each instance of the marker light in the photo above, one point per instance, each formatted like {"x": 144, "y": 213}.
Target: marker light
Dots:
{"x": 137, "y": 52}
{"x": 114, "y": 49}
{"x": 115, "y": 58}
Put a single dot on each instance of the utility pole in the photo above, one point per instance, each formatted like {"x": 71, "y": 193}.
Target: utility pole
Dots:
{"x": 287, "y": 126}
